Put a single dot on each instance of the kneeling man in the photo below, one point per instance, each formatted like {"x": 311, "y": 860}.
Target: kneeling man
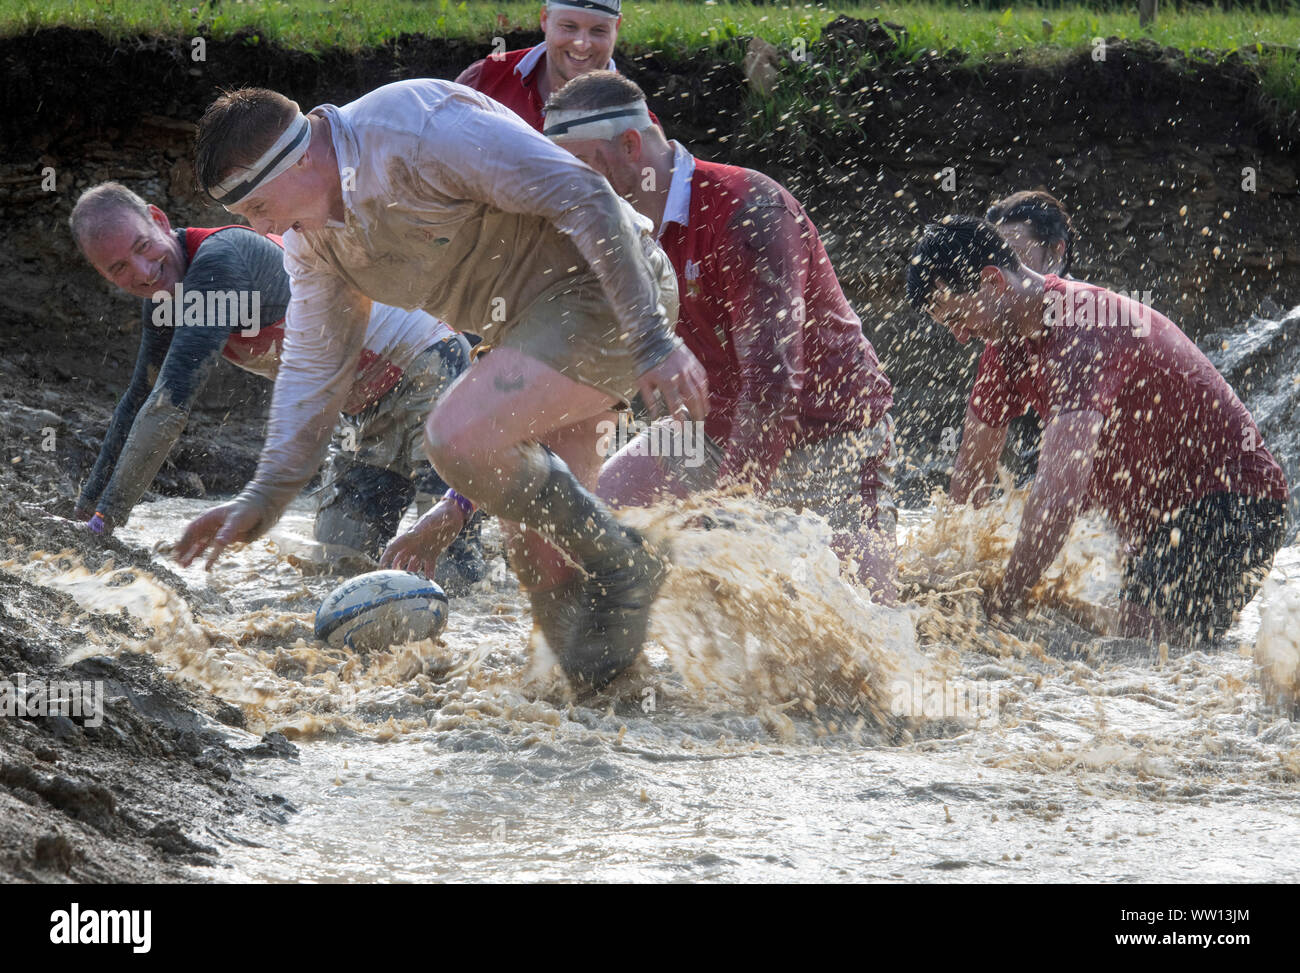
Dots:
{"x": 222, "y": 292}
{"x": 1137, "y": 423}
{"x": 798, "y": 403}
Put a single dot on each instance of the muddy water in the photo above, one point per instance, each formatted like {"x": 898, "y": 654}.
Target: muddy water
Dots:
{"x": 780, "y": 727}
{"x": 756, "y": 742}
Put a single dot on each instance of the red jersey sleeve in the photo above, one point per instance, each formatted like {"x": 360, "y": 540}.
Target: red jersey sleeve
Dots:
{"x": 471, "y": 75}
{"x": 994, "y": 399}
{"x": 766, "y": 310}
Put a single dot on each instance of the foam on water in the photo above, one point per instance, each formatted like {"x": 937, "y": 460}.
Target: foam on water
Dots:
{"x": 756, "y": 614}
{"x": 1277, "y": 647}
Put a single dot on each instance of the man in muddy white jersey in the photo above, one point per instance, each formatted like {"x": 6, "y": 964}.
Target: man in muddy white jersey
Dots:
{"x": 222, "y": 292}
{"x": 429, "y": 194}
{"x": 1137, "y": 423}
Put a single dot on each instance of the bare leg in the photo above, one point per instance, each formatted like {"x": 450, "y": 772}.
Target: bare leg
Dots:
{"x": 482, "y": 433}
{"x": 484, "y": 438}
{"x": 630, "y": 480}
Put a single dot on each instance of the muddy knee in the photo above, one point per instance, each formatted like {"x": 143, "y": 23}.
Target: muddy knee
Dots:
{"x": 362, "y": 508}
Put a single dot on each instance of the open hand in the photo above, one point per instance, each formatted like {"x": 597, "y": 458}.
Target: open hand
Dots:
{"x": 681, "y": 383}
{"x": 217, "y": 529}
{"x": 418, "y": 549}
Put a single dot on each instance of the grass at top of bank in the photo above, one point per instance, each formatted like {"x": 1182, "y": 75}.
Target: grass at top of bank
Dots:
{"x": 674, "y": 28}
{"x": 1039, "y": 33}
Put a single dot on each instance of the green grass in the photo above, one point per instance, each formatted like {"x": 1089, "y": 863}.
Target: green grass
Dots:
{"x": 679, "y": 28}
{"x": 668, "y": 26}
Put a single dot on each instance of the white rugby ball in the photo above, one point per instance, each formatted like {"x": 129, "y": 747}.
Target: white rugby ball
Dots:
{"x": 373, "y": 611}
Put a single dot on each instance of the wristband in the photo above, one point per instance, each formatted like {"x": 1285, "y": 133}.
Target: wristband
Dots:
{"x": 466, "y": 505}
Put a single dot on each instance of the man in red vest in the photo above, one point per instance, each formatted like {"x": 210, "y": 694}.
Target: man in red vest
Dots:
{"x": 221, "y": 292}
{"x": 580, "y": 37}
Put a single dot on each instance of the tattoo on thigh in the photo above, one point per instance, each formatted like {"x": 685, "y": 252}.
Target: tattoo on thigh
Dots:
{"x": 508, "y": 385}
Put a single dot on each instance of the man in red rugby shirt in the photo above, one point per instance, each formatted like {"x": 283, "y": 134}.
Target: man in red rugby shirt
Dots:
{"x": 798, "y": 404}
{"x": 1137, "y": 423}
{"x": 580, "y": 37}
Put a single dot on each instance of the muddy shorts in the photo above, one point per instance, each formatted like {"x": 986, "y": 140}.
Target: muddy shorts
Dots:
{"x": 847, "y": 478}
{"x": 377, "y": 463}
{"x": 1201, "y": 567}
{"x": 571, "y": 328}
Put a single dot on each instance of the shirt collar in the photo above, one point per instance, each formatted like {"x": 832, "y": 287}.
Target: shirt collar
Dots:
{"x": 677, "y": 208}
{"x": 529, "y": 61}
{"x": 345, "y": 150}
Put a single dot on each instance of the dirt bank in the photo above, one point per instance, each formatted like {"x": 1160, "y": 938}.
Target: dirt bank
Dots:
{"x": 1149, "y": 150}
{"x": 138, "y": 788}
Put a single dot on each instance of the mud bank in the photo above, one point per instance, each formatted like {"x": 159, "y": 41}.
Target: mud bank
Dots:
{"x": 139, "y": 783}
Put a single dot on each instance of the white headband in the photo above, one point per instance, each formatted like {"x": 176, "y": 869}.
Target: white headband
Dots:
{"x": 287, "y": 150}
{"x": 610, "y": 8}
{"x": 596, "y": 123}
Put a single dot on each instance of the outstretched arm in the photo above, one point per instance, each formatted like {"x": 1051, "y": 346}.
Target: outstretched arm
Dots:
{"x": 154, "y": 343}
{"x": 161, "y": 420}
{"x": 975, "y": 470}
{"x": 1058, "y": 496}
{"x": 325, "y": 332}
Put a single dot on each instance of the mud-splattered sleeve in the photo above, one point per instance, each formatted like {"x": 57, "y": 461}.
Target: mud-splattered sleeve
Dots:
{"x": 764, "y": 245}
{"x": 325, "y": 331}
{"x": 154, "y": 343}
{"x": 493, "y": 157}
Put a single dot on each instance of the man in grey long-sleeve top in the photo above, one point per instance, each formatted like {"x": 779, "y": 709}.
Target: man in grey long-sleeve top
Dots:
{"x": 223, "y": 292}
{"x": 428, "y": 194}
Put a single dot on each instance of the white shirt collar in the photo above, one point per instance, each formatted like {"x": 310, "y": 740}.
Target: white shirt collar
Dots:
{"x": 529, "y": 61}
{"x": 677, "y": 208}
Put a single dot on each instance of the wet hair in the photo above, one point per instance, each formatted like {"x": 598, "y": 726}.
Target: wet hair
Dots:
{"x": 237, "y": 128}
{"x": 100, "y": 204}
{"x": 593, "y": 90}
{"x": 954, "y": 251}
{"x": 1047, "y": 218}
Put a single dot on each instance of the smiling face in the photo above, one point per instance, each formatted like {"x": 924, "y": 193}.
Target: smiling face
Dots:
{"x": 578, "y": 41}
{"x": 141, "y": 256}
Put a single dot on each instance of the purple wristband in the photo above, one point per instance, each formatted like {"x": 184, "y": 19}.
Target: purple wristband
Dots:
{"x": 466, "y": 505}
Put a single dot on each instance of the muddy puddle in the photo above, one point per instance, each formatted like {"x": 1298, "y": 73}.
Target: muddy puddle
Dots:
{"x": 780, "y": 728}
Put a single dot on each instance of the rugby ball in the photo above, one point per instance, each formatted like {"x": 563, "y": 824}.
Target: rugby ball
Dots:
{"x": 373, "y": 611}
